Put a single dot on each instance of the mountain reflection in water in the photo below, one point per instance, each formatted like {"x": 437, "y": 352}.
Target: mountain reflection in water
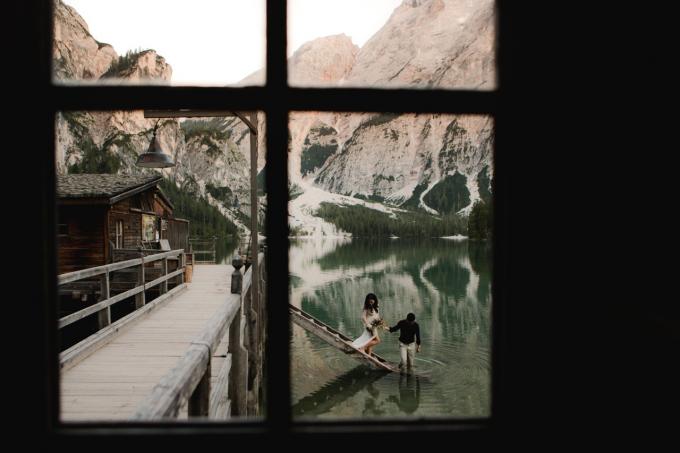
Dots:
{"x": 446, "y": 284}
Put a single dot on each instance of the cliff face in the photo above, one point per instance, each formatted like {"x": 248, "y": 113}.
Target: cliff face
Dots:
{"x": 414, "y": 154}
{"x": 394, "y": 160}
{"x": 399, "y": 159}
{"x": 108, "y": 140}
{"x": 76, "y": 54}
{"x": 431, "y": 43}
{"x": 325, "y": 61}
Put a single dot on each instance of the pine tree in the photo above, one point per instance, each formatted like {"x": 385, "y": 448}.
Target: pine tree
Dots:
{"x": 479, "y": 221}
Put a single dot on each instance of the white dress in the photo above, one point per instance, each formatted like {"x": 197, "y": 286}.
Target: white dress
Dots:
{"x": 366, "y": 336}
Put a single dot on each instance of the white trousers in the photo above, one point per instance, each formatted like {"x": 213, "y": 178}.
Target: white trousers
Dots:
{"x": 408, "y": 354}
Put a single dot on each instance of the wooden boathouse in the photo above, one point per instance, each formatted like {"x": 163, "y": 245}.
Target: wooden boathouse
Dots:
{"x": 104, "y": 218}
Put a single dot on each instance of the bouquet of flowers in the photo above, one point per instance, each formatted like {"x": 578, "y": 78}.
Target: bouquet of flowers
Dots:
{"x": 379, "y": 323}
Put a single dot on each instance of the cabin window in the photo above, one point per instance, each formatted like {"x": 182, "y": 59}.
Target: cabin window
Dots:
{"x": 149, "y": 228}
{"x": 280, "y": 96}
{"x": 119, "y": 234}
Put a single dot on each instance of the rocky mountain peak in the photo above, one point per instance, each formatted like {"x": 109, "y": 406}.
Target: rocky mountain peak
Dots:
{"x": 431, "y": 43}
{"x": 144, "y": 65}
{"x": 323, "y": 61}
{"x": 76, "y": 54}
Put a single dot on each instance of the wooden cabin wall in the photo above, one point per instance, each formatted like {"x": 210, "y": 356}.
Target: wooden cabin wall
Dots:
{"x": 132, "y": 224}
{"x": 146, "y": 201}
{"x": 92, "y": 230}
{"x": 162, "y": 208}
{"x": 83, "y": 246}
{"x": 177, "y": 234}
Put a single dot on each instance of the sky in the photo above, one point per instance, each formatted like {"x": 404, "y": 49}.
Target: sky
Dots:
{"x": 219, "y": 42}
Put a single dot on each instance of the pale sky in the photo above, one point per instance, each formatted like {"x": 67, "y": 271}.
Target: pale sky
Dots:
{"x": 219, "y": 42}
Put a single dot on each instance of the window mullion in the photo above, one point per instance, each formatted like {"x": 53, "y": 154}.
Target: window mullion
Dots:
{"x": 277, "y": 353}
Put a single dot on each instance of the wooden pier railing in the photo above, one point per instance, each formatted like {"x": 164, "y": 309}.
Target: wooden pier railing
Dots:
{"x": 103, "y": 307}
{"x": 240, "y": 324}
{"x": 204, "y": 250}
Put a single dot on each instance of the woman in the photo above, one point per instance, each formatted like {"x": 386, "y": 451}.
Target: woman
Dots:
{"x": 371, "y": 320}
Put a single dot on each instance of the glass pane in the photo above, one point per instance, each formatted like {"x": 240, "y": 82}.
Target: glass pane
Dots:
{"x": 167, "y": 42}
{"x": 155, "y": 265}
{"x": 398, "y": 206}
{"x": 392, "y": 43}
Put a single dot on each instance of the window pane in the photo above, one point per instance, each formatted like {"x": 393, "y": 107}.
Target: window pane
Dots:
{"x": 126, "y": 325}
{"x": 199, "y": 42}
{"x": 392, "y": 43}
{"x": 398, "y": 206}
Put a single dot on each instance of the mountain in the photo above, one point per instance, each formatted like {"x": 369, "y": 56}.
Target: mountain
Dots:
{"x": 321, "y": 62}
{"x": 436, "y": 164}
{"x": 431, "y": 43}
{"x": 207, "y": 165}
{"x": 76, "y": 54}
{"x": 440, "y": 164}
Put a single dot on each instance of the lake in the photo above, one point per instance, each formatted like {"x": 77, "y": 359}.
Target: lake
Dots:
{"x": 445, "y": 283}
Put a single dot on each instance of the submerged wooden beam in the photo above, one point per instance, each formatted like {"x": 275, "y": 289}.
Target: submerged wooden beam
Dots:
{"x": 338, "y": 340}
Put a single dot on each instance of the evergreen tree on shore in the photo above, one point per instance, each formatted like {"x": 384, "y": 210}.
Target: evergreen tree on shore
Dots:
{"x": 480, "y": 221}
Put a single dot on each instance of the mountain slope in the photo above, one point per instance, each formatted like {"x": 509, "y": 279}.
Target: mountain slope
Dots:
{"x": 439, "y": 164}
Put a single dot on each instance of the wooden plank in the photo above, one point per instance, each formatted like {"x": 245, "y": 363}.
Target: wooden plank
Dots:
{"x": 164, "y": 278}
{"x": 80, "y": 314}
{"x": 78, "y": 352}
{"x": 140, "y": 300}
{"x": 217, "y": 326}
{"x": 220, "y": 395}
{"x": 94, "y": 271}
{"x": 192, "y": 113}
{"x": 164, "y": 400}
{"x": 160, "y": 256}
{"x": 98, "y": 270}
{"x": 140, "y": 357}
{"x": 238, "y": 374}
{"x": 175, "y": 387}
{"x": 199, "y": 401}
{"x": 104, "y": 315}
{"x": 164, "y": 270}
{"x": 332, "y": 337}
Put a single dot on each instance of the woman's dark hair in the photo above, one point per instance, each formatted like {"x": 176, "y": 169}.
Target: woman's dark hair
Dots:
{"x": 367, "y": 305}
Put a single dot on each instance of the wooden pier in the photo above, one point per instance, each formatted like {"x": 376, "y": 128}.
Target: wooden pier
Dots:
{"x": 194, "y": 351}
{"x": 338, "y": 340}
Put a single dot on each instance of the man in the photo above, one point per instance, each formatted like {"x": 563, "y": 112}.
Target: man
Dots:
{"x": 408, "y": 339}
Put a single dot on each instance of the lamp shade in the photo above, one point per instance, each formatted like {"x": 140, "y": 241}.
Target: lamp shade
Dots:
{"x": 154, "y": 157}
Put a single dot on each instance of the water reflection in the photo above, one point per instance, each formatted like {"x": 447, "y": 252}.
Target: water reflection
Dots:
{"x": 409, "y": 393}
{"x": 446, "y": 284}
{"x": 337, "y": 391}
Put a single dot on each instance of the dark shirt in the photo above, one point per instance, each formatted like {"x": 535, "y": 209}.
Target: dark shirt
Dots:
{"x": 408, "y": 331}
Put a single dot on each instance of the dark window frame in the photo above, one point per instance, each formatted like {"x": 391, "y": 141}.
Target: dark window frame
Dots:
{"x": 120, "y": 244}
{"x": 276, "y": 99}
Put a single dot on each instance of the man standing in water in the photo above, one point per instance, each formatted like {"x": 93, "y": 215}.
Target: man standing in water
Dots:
{"x": 408, "y": 339}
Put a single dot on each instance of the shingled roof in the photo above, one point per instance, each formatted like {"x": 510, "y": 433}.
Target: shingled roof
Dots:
{"x": 101, "y": 186}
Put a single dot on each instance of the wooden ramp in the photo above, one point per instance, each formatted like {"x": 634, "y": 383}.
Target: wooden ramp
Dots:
{"x": 111, "y": 382}
{"x": 337, "y": 339}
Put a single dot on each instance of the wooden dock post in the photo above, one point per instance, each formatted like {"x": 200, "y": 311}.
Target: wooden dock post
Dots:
{"x": 199, "y": 401}
{"x": 104, "y": 316}
{"x": 238, "y": 375}
{"x": 164, "y": 272}
{"x": 140, "y": 298}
